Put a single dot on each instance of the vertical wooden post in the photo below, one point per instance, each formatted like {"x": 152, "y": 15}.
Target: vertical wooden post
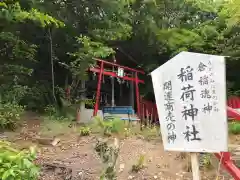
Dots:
{"x": 146, "y": 121}
{"x": 113, "y": 91}
{"x": 143, "y": 111}
{"x": 98, "y": 89}
{"x": 132, "y": 100}
{"x": 138, "y": 99}
{"x": 82, "y": 102}
{"x": 112, "y": 81}
{"x": 82, "y": 97}
{"x": 137, "y": 93}
{"x": 195, "y": 166}
{"x": 151, "y": 117}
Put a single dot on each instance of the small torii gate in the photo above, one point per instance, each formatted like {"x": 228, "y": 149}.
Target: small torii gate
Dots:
{"x": 132, "y": 76}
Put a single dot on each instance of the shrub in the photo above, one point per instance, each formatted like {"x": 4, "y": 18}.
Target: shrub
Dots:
{"x": 50, "y": 110}
{"x": 150, "y": 133}
{"x": 85, "y": 131}
{"x": 140, "y": 164}
{"x": 115, "y": 125}
{"x": 127, "y": 132}
{"x": 205, "y": 161}
{"x": 53, "y": 113}
{"x": 16, "y": 164}
{"x": 9, "y": 115}
{"x": 109, "y": 155}
{"x": 234, "y": 127}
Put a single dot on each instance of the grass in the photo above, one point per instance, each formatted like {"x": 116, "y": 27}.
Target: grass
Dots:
{"x": 52, "y": 125}
{"x": 107, "y": 127}
{"x": 85, "y": 131}
{"x": 151, "y": 133}
{"x": 147, "y": 133}
{"x": 139, "y": 165}
{"x": 123, "y": 129}
{"x": 55, "y": 127}
{"x": 206, "y": 161}
{"x": 234, "y": 127}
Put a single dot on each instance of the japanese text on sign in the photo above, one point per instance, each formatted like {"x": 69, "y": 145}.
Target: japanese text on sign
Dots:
{"x": 191, "y": 102}
{"x": 169, "y": 107}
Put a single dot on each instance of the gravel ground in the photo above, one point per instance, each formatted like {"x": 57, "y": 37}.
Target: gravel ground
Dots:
{"x": 74, "y": 158}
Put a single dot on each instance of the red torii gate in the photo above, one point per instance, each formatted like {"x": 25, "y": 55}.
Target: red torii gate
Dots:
{"x": 128, "y": 77}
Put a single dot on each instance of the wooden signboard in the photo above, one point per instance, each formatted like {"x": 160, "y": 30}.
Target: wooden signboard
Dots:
{"x": 190, "y": 93}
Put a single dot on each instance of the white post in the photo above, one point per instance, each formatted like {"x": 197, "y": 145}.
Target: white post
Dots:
{"x": 82, "y": 98}
{"x": 195, "y": 166}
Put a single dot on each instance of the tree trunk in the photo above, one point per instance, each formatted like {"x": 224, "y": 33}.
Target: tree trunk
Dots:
{"x": 52, "y": 65}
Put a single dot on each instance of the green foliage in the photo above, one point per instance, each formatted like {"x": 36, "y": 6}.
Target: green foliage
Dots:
{"x": 13, "y": 94}
{"x": 206, "y": 5}
{"x": 19, "y": 48}
{"x": 181, "y": 39}
{"x": 13, "y": 12}
{"x": 139, "y": 165}
{"x": 50, "y": 128}
{"x": 127, "y": 132}
{"x": 109, "y": 127}
{"x": 44, "y": 45}
{"x": 15, "y": 164}
{"x": 84, "y": 57}
{"x": 205, "y": 161}
{"x": 147, "y": 133}
{"x": 88, "y": 102}
{"x": 234, "y": 127}
{"x": 10, "y": 115}
{"x": 55, "y": 114}
{"x": 150, "y": 133}
{"x": 231, "y": 12}
{"x": 12, "y": 51}
{"x": 85, "y": 131}
{"x": 108, "y": 154}
{"x": 18, "y": 51}
{"x": 50, "y": 110}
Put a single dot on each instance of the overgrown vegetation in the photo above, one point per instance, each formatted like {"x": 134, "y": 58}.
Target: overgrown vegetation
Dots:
{"x": 42, "y": 69}
{"x": 109, "y": 127}
{"x": 206, "y": 161}
{"x": 139, "y": 165}
{"x": 10, "y": 114}
{"x": 38, "y": 67}
{"x": 108, "y": 153}
{"x": 234, "y": 127}
{"x": 150, "y": 133}
{"x": 84, "y": 131}
{"x": 15, "y": 164}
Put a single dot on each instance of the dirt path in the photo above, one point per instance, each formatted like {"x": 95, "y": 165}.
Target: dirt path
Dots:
{"x": 74, "y": 158}
{"x": 79, "y": 156}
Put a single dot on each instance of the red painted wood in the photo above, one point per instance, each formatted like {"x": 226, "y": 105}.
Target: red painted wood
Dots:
{"x": 137, "y": 93}
{"x": 229, "y": 164}
{"x": 232, "y": 113}
{"x": 117, "y": 65}
{"x": 98, "y": 89}
{"x": 100, "y": 70}
{"x": 107, "y": 73}
{"x": 234, "y": 102}
{"x": 148, "y": 108}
